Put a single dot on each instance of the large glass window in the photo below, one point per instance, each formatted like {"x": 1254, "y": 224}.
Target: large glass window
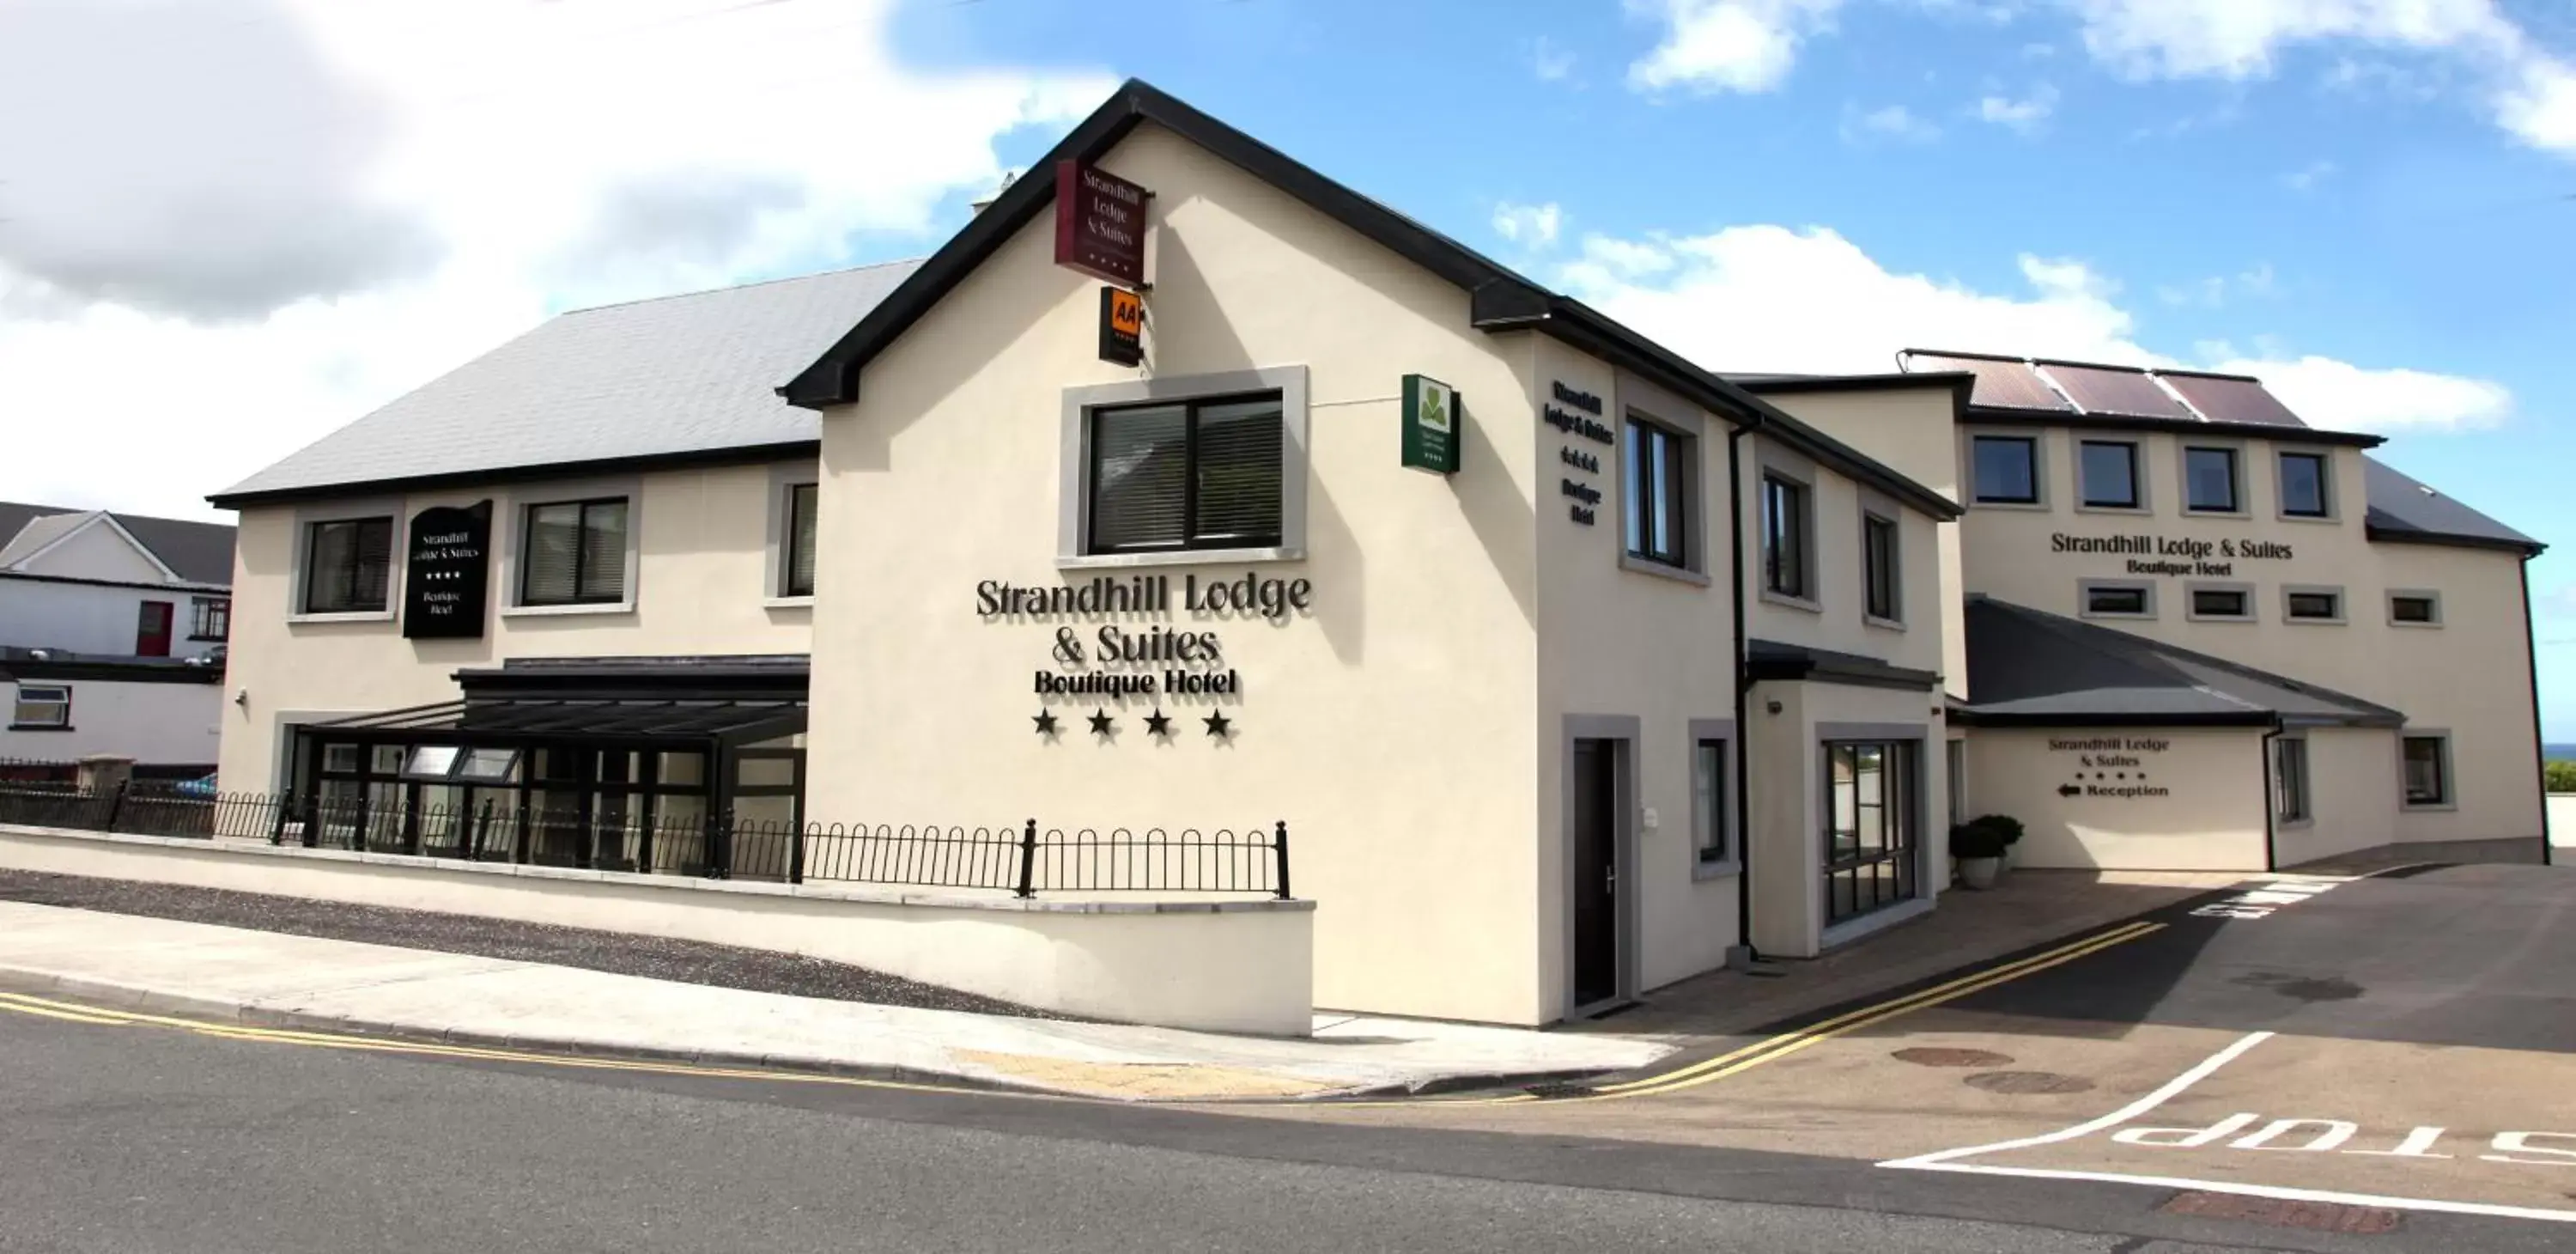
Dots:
{"x": 348, "y": 565}
{"x": 2007, "y": 469}
{"x": 41, "y": 707}
{"x": 575, "y": 553}
{"x": 2428, "y": 770}
{"x": 1870, "y": 822}
{"x": 1878, "y": 568}
{"x": 1786, "y": 552}
{"x": 1708, "y": 799}
{"x": 1658, "y": 493}
{"x": 1188, "y": 475}
{"x": 2209, "y": 481}
{"x": 2303, "y": 485}
{"x": 2290, "y": 779}
{"x": 797, "y": 579}
{"x": 2109, "y": 470}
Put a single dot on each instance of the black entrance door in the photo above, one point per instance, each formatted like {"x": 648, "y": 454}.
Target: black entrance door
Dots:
{"x": 1596, "y": 872}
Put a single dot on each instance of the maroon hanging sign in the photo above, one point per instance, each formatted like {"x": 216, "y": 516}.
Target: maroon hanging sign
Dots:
{"x": 1100, "y": 224}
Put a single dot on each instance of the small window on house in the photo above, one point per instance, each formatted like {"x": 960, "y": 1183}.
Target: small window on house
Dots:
{"x": 2303, "y": 485}
{"x": 575, "y": 553}
{"x": 2415, "y": 609}
{"x": 2209, "y": 481}
{"x": 1879, "y": 567}
{"x": 2315, "y": 606}
{"x": 2007, "y": 469}
{"x": 432, "y": 762}
{"x": 1787, "y": 568}
{"x": 1708, "y": 796}
{"x": 1191, "y": 475}
{"x": 1657, "y": 494}
{"x": 41, "y": 707}
{"x": 2224, "y": 603}
{"x": 348, "y": 565}
{"x": 2119, "y": 600}
{"x": 2110, "y": 474}
{"x": 209, "y": 618}
{"x": 2428, "y": 770}
{"x": 2290, "y": 779}
{"x": 796, "y": 579}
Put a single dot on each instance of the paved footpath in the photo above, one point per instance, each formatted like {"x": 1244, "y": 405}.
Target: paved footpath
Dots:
{"x": 197, "y": 970}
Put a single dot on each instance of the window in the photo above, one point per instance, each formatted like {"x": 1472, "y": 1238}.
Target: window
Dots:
{"x": 1785, "y": 567}
{"x": 2415, "y": 609}
{"x": 797, "y": 578}
{"x": 2222, "y": 603}
{"x": 210, "y": 618}
{"x": 2119, "y": 600}
{"x": 2007, "y": 469}
{"x": 1658, "y": 493}
{"x": 2314, "y": 605}
{"x": 2290, "y": 779}
{"x": 1190, "y": 475}
{"x": 2303, "y": 485}
{"x": 2109, "y": 470}
{"x": 2428, "y": 770}
{"x": 575, "y": 553}
{"x": 431, "y": 761}
{"x": 1878, "y": 568}
{"x": 348, "y": 566}
{"x": 1708, "y": 799}
{"x": 1869, "y": 826}
{"x": 2209, "y": 481}
{"x": 41, "y": 707}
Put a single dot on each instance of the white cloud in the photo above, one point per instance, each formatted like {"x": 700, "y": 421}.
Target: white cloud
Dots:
{"x": 1532, "y": 225}
{"x": 2306, "y": 177}
{"x": 456, "y": 170}
{"x": 1727, "y": 45}
{"x": 2024, "y": 115}
{"x": 1551, "y": 63}
{"x": 1892, "y": 122}
{"x": 1770, "y": 298}
{"x": 2217, "y": 289}
{"x": 2541, "y": 108}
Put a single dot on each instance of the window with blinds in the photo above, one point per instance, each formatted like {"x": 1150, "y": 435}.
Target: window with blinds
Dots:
{"x": 798, "y": 577}
{"x": 1200, "y": 474}
{"x": 574, "y": 554}
{"x": 348, "y": 565}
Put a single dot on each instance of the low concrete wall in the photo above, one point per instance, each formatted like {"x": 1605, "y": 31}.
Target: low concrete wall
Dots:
{"x": 2561, "y": 819}
{"x": 1224, "y": 966}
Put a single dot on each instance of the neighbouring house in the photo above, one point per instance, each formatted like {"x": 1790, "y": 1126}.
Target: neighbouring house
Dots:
{"x": 112, "y": 634}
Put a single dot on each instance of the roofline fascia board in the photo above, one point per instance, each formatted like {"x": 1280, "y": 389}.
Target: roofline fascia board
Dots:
{"x": 730, "y": 455}
{"x": 1959, "y": 382}
{"x": 181, "y": 586}
{"x": 2448, "y": 539}
{"x": 100, "y": 672}
{"x": 1972, "y": 716}
{"x": 2096, "y": 421}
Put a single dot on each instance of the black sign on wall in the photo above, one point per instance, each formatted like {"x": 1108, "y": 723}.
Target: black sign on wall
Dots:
{"x": 449, "y": 572}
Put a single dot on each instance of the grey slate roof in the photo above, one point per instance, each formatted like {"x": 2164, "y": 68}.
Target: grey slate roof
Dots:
{"x": 2404, "y": 508}
{"x": 674, "y": 374}
{"x": 198, "y": 552}
{"x": 2027, "y": 666}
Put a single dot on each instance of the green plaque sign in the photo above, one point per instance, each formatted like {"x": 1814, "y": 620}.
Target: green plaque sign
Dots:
{"x": 1431, "y": 421}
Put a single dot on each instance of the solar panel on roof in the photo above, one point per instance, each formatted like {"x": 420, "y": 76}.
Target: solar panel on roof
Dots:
{"x": 2000, "y": 384}
{"x": 2233, "y": 400}
{"x": 2103, "y": 390}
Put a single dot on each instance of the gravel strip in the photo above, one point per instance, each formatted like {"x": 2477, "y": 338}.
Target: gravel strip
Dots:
{"x": 654, "y": 957}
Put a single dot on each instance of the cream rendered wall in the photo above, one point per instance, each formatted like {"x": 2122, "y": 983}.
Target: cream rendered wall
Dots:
{"x": 1789, "y": 817}
{"x": 95, "y": 551}
{"x": 2352, "y": 790}
{"x": 172, "y": 724}
{"x": 2471, "y": 676}
{"x": 1394, "y": 726}
{"x": 2210, "y": 820}
{"x": 702, "y": 538}
{"x": 1910, "y": 430}
{"x": 1836, "y": 621}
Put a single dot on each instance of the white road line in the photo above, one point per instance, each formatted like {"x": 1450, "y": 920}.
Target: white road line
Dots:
{"x": 2172, "y": 1088}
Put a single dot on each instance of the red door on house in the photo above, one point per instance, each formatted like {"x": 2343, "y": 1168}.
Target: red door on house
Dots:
{"x": 152, "y": 634}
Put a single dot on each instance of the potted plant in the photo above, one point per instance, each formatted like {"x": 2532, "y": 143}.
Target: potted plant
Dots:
{"x": 2007, "y": 827}
{"x": 1978, "y": 847}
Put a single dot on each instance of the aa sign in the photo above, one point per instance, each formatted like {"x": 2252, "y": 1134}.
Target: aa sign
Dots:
{"x": 1122, "y": 326}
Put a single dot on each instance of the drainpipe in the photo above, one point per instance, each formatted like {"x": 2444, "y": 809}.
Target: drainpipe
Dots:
{"x": 2539, "y": 753}
{"x": 1744, "y": 953}
{"x": 2271, "y": 812}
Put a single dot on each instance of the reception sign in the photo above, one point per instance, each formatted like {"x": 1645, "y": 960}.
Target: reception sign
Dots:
{"x": 448, "y": 578}
{"x": 1100, "y": 224}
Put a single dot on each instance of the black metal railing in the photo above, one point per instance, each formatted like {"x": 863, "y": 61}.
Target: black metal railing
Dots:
{"x": 1022, "y": 858}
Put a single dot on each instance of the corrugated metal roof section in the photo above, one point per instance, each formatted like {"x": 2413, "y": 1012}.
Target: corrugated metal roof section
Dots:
{"x": 2113, "y": 390}
{"x": 2228, "y": 398}
{"x": 674, "y": 374}
{"x": 2001, "y": 383}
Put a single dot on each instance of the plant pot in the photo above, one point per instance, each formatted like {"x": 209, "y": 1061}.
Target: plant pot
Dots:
{"x": 1980, "y": 872}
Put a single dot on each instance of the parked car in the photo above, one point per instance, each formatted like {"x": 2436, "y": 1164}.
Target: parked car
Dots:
{"x": 204, "y": 787}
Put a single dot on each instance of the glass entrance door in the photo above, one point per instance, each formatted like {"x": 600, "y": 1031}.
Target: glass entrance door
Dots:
{"x": 1871, "y": 816}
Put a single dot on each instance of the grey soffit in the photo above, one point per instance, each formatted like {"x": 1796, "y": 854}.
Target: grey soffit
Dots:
{"x": 2405, "y": 510}
{"x": 197, "y": 552}
{"x": 1499, "y": 298}
{"x": 1779, "y": 661}
{"x": 2030, "y": 667}
{"x": 674, "y": 375}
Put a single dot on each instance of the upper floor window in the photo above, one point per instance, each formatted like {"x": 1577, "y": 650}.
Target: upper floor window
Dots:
{"x": 1788, "y": 565}
{"x": 2428, "y": 769}
{"x": 2006, "y": 469}
{"x": 796, "y": 576}
{"x": 1201, "y": 474}
{"x": 1658, "y": 493}
{"x": 2303, "y": 485}
{"x": 2415, "y": 609}
{"x": 2313, "y": 605}
{"x": 1878, "y": 568}
{"x": 348, "y": 565}
{"x": 210, "y": 618}
{"x": 41, "y": 707}
{"x": 575, "y": 553}
{"x": 2109, "y": 473}
{"x": 2209, "y": 481}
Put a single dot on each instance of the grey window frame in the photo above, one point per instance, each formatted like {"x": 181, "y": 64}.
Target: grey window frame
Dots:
{"x": 308, "y": 544}
{"x": 1676, "y": 473}
{"x": 788, "y": 546}
{"x": 1713, "y": 815}
{"x": 2325, "y": 484}
{"x": 2193, "y": 612}
{"x": 2038, "y": 450}
{"x": 2430, "y": 596}
{"x": 2290, "y": 592}
{"x": 582, "y": 505}
{"x": 1870, "y": 521}
{"x": 2085, "y": 588}
{"x": 1073, "y": 500}
{"x": 2286, "y": 792}
{"x": 2442, "y": 762}
{"x": 2235, "y": 454}
{"x": 1803, "y": 594}
{"x": 2137, "y": 477}
{"x": 18, "y": 704}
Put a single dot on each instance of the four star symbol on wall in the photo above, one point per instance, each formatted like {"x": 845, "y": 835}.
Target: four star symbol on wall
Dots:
{"x": 1157, "y": 724}
{"x": 1101, "y": 722}
{"x": 1217, "y": 725}
{"x": 1046, "y": 722}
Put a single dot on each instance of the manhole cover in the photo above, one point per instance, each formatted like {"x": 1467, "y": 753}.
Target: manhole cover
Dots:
{"x": 2027, "y": 1082}
{"x": 2280, "y": 1213}
{"x": 1930, "y": 1056}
